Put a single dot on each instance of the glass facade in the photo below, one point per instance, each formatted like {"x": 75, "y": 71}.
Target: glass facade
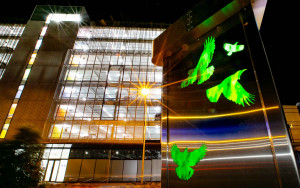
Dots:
{"x": 97, "y": 97}
{"x": 76, "y": 163}
{"x": 98, "y": 100}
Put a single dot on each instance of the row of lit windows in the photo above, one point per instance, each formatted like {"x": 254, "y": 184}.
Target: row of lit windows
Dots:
{"x": 114, "y": 76}
{"x": 75, "y": 131}
{"x": 96, "y": 111}
{"x": 102, "y": 58}
{"x": 118, "y": 33}
{"x": 5, "y": 56}
{"x": 11, "y": 29}
{"x": 9, "y": 43}
{"x": 98, "y": 92}
{"x": 145, "y": 46}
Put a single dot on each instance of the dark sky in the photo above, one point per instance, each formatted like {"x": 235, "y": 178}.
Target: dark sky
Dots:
{"x": 279, "y": 29}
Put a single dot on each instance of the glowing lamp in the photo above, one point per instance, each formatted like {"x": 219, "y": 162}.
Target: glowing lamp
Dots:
{"x": 145, "y": 91}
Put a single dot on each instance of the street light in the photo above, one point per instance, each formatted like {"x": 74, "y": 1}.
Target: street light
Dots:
{"x": 144, "y": 91}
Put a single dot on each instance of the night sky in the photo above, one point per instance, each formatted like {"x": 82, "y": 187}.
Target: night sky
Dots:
{"x": 279, "y": 29}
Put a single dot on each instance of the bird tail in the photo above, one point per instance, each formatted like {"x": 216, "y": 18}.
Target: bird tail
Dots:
{"x": 214, "y": 93}
{"x": 184, "y": 172}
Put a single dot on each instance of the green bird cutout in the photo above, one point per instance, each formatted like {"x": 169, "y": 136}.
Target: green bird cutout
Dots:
{"x": 231, "y": 48}
{"x": 186, "y": 159}
{"x": 232, "y": 90}
{"x": 202, "y": 72}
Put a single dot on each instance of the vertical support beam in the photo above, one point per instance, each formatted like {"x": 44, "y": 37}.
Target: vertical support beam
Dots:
{"x": 144, "y": 140}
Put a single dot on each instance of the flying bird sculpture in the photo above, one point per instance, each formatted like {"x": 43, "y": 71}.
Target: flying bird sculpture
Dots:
{"x": 202, "y": 72}
{"x": 232, "y": 90}
{"x": 232, "y": 48}
{"x": 186, "y": 159}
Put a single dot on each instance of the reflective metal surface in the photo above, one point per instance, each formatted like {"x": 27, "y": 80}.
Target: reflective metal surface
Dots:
{"x": 247, "y": 145}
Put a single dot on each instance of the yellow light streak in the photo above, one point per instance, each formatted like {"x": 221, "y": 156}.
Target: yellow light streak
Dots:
{"x": 221, "y": 115}
{"x": 220, "y": 141}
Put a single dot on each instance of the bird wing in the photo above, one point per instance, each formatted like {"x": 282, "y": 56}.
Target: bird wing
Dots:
{"x": 207, "y": 54}
{"x": 201, "y": 68}
{"x": 213, "y": 94}
{"x": 235, "y": 92}
{"x": 197, "y": 155}
{"x": 240, "y": 95}
{"x": 176, "y": 155}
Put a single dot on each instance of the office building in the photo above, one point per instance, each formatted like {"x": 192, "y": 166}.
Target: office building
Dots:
{"x": 191, "y": 105}
{"x": 80, "y": 87}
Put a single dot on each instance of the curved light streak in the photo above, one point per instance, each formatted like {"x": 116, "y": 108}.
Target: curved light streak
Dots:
{"x": 222, "y": 141}
{"x": 240, "y": 157}
{"x": 222, "y": 115}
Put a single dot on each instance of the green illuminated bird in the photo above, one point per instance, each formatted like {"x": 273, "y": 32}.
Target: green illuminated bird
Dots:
{"x": 232, "y": 48}
{"x": 232, "y": 90}
{"x": 202, "y": 72}
{"x": 186, "y": 159}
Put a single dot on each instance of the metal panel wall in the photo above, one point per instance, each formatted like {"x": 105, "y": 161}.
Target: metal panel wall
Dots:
{"x": 156, "y": 170}
{"x": 224, "y": 98}
{"x": 147, "y": 170}
{"x": 101, "y": 170}
{"x": 116, "y": 172}
{"x": 130, "y": 170}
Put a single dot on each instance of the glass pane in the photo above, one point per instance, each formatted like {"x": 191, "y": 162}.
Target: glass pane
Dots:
{"x": 49, "y": 169}
{"x": 55, "y": 153}
{"x": 62, "y": 170}
{"x": 54, "y": 173}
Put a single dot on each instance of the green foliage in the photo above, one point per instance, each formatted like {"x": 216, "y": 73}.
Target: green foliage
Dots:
{"x": 202, "y": 72}
{"x": 186, "y": 159}
{"x": 232, "y": 90}
{"x": 20, "y": 160}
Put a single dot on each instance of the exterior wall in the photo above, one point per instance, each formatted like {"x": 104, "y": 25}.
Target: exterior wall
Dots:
{"x": 15, "y": 69}
{"x": 35, "y": 103}
{"x": 30, "y": 80}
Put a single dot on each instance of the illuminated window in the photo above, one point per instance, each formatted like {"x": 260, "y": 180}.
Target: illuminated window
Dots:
{"x": 12, "y": 110}
{"x": 62, "y": 170}
{"x": 19, "y": 92}
{"x": 26, "y": 74}
{"x": 63, "y": 17}
{"x": 56, "y": 131}
{"x": 54, "y": 171}
{"x": 44, "y": 31}
{"x": 38, "y": 44}
{"x": 55, "y": 153}
{"x": 4, "y": 130}
{"x": 31, "y": 61}
{"x": 49, "y": 169}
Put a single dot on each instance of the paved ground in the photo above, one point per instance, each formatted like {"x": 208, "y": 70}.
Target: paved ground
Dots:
{"x": 105, "y": 185}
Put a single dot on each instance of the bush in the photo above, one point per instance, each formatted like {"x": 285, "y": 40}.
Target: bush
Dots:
{"x": 20, "y": 160}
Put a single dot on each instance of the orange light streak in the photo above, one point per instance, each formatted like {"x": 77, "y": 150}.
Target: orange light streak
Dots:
{"x": 222, "y": 141}
{"x": 172, "y": 83}
{"x": 222, "y": 115}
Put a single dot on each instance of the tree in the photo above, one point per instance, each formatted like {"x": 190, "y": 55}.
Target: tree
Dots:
{"x": 20, "y": 160}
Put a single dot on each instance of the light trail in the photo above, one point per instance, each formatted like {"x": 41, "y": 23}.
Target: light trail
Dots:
{"x": 239, "y": 157}
{"x": 222, "y": 141}
{"x": 221, "y": 115}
